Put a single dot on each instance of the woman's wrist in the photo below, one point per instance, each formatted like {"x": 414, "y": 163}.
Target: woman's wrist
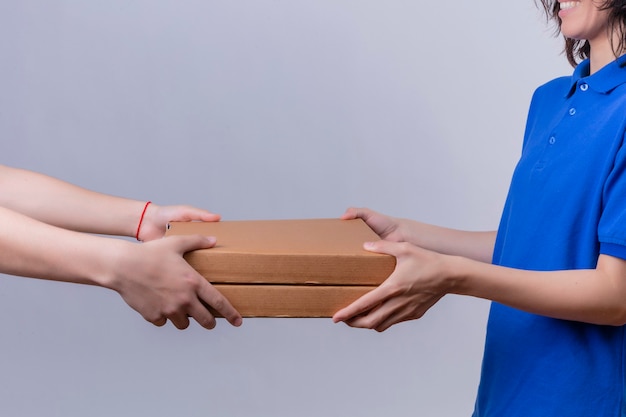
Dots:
{"x": 457, "y": 278}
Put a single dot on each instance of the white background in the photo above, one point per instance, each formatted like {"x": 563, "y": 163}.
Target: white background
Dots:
{"x": 261, "y": 109}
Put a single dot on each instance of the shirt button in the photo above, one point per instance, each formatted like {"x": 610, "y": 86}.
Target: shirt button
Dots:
{"x": 584, "y": 87}
{"x": 552, "y": 140}
{"x": 572, "y": 111}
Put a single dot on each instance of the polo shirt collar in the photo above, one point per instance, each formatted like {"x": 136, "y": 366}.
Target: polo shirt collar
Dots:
{"x": 603, "y": 81}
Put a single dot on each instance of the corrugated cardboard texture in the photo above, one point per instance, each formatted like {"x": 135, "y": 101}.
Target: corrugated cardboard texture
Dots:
{"x": 288, "y": 268}
{"x": 290, "y": 300}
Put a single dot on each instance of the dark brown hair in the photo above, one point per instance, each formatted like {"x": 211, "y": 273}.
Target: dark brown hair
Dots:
{"x": 578, "y": 50}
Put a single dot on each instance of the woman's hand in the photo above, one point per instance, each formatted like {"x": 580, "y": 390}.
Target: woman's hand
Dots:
{"x": 388, "y": 228}
{"x": 416, "y": 284}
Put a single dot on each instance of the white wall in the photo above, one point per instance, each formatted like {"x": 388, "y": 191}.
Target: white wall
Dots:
{"x": 258, "y": 110}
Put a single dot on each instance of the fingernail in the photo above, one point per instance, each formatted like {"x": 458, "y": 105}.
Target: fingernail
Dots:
{"x": 368, "y": 245}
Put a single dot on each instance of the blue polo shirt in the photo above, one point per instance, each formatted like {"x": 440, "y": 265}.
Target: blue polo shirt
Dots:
{"x": 566, "y": 205}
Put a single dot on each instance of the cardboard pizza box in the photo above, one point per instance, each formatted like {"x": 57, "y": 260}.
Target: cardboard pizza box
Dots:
{"x": 288, "y": 268}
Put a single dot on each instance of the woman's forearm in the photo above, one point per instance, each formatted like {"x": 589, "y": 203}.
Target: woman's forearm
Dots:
{"x": 469, "y": 244}
{"x": 474, "y": 245}
{"x": 422, "y": 277}
{"x": 591, "y": 295}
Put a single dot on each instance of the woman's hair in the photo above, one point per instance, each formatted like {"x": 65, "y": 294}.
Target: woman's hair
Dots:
{"x": 578, "y": 50}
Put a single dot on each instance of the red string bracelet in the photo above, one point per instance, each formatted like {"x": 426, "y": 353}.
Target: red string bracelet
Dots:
{"x": 143, "y": 213}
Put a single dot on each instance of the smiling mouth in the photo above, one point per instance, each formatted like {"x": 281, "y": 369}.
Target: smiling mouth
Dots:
{"x": 566, "y": 5}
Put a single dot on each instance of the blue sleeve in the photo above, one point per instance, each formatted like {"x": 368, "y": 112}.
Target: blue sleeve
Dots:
{"x": 612, "y": 227}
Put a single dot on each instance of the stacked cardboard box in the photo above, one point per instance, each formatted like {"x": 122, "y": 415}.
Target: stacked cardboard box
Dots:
{"x": 288, "y": 268}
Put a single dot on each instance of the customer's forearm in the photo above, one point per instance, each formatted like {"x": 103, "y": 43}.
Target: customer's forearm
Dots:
{"x": 65, "y": 205}
{"x": 31, "y": 248}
